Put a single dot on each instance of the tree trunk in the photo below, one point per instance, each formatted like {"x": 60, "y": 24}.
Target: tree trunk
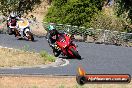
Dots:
{"x": 49, "y": 2}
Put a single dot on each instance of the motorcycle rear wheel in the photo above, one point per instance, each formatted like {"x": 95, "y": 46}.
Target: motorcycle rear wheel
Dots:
{"x": 9, "y": 31}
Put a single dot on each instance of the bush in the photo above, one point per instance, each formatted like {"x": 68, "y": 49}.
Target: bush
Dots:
{"x": 123, "y": 8}
{"x": 6, "y": 6}
{"x": 74, "y": 12}
{"x": 103, "y": 21}
{"x": 47, "y": 57}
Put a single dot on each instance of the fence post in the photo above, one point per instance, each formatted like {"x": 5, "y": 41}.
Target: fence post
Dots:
{"x": 105, "y": 36}
{"x": 99, "y": 36}
{"x": 59, "y": 26}
{"x": 81, "y": 32}
{"x": 74, "y": 30}
{"x": 68, "y": 28}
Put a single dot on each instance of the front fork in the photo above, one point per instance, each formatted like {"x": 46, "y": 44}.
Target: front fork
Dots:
{"x": 74, "y": 44}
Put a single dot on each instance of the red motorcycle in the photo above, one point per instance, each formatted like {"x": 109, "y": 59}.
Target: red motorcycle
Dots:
{"x": 65, "y": 46}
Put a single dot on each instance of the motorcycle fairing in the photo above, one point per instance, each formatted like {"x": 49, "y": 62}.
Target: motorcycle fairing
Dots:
{"x": 64, "y": 43}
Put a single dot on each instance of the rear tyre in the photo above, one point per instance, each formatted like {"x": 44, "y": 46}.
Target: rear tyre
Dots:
{"x": 9, "y": 31}
{"x": 75, "y": 53}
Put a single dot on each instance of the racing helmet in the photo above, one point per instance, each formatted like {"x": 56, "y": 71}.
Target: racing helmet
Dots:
{"x": 51, "y": 27}
{"x": 52, "y": 30}
{"x": 13, "y": 15}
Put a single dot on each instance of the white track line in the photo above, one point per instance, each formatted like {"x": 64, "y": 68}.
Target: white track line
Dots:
{"x": 66, "y": 62}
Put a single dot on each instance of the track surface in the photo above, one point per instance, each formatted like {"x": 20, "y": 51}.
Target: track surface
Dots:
{"x": 96, "y": 58}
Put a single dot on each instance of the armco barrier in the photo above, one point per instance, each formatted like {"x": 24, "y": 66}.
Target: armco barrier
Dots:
{"x": 95, "y": 35}
{"x": 86, "y": 34}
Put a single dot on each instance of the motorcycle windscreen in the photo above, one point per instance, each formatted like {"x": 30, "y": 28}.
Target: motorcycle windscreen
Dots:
{"x": 62, "y": 41}
{"x": 61, "y": 38}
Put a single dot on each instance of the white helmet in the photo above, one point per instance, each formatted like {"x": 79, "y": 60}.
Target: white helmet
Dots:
{"x": 12, "y": 15}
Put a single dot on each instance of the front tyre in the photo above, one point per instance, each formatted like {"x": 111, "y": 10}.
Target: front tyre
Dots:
{"x": 56, "y": 52}
{"x": 75, "y": 53}
{"x": 30, "y": 36}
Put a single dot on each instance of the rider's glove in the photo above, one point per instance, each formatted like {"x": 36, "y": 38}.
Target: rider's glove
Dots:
{"x": 51, "y": 45}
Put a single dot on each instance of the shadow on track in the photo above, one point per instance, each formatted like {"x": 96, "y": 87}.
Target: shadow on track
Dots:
{"x": 68, "y": 58}
{"x": 26, "y": 40}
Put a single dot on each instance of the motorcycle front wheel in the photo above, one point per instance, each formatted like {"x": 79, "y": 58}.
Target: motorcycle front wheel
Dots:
{"x": 75, "y": 53}
{"x": 56, "y": 52}
{"x": 30, "y": 36}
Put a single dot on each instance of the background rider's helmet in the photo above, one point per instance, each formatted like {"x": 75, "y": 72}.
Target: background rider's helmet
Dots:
{"x": 13, "y": 15}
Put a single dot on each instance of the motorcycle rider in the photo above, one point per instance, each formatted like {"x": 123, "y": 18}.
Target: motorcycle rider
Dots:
{"x": 53, "y": 35}
{"x": 12, "y": 21}
{"x": 19, "y": 20}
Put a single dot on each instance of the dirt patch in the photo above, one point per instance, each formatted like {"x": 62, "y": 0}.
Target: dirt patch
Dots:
{"x": 50, "y": 82}
{"x": 12, "y": 57}
{"x": 38, "y": 13}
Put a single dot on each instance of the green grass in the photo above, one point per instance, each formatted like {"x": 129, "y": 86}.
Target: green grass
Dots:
{"x": 14, "y": 57}
{"x": 43, "y": 54}
{"x": 61, "y": 86}
{"x": 25, "y": 48}
{"x": 46, "y": 56}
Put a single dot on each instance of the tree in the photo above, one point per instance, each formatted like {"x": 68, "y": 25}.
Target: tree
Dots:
{"x": 49, "y": 2}
{"x": 6, "y": 6}
{"x": 124, "y": 9}
{"x": 74, "y": 12}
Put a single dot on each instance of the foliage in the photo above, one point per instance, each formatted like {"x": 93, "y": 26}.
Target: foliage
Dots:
{"x": 124, "y": 9}
{"x": 46, "y": 56}
{"x": 103, "y": 21}
{"x": 61, "y": 86}
{"x": 6, "y": 6}
{"x": 74, "y": 12}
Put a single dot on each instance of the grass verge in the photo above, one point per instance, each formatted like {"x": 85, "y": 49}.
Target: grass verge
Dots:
{"x": 50, "y": 82}
{"x": 44, "y": 54}
{"x": 13, "y": 57}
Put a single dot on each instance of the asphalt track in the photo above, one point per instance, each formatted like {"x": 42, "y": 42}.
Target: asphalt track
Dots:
{"x": 97, "y": 58}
